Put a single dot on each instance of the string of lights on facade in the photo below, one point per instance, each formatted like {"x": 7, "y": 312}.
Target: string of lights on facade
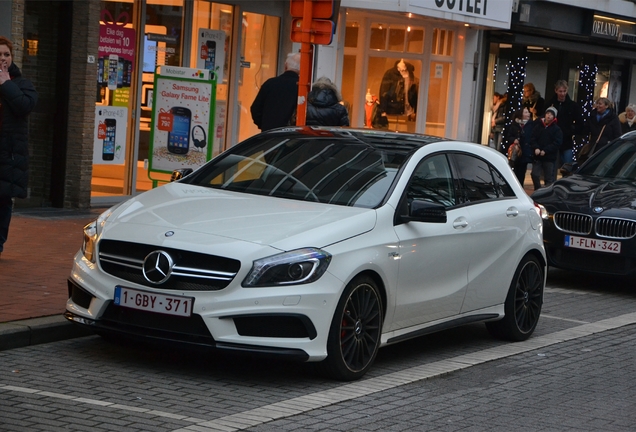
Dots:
{"x": 587, "y": 82}
{"x": 516, "y": 77}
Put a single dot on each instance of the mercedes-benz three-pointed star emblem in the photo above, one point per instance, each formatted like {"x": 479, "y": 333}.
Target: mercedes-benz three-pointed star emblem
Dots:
{"x": 157, "y": 267}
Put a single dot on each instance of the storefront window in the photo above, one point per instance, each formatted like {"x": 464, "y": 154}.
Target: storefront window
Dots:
{"x": 259, "y": 58}
{"x": 115, "y": 69}
{"x": 211, "y": 42}
{"x": 438, "y": 92}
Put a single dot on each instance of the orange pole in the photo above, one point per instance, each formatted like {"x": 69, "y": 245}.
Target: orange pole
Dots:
{"x": 306, "y": 59}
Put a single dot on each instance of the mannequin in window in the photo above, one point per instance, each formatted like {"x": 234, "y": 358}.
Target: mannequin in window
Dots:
{"x": 398, "y": 90}
{"x": 374, "y": 117}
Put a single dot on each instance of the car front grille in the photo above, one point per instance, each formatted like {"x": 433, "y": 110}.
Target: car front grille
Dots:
{"x": 574, "y": 223}
{"x": 615, "y": 228}
{"x": 191, "y": 271}
{"x": 607, "y": 227}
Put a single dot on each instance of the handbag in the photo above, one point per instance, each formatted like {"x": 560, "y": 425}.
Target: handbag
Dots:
{"x": 514, "y": 152}
{"x": 588, "y": 149}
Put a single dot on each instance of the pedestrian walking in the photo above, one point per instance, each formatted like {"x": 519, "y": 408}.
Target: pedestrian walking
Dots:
{"x": 276, "y": 101}
{"x": 324, "y": 107}
{"x": 545, "y": 143}
{"x": 498, "y": 120}
{"x": 603, "y": 125}
{"x": 533, "y": 101}
{"x": 570, "y": 120}
{"x": 17, "y": 99}
{"x": 519, "y": 133}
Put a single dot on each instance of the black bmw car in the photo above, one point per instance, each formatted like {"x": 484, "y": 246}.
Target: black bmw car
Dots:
{"x": 590, "y": 216}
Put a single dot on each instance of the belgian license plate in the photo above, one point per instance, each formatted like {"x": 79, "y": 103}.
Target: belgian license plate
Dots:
{"x": 592, "y": 244}
{"x": 151, "y": 302}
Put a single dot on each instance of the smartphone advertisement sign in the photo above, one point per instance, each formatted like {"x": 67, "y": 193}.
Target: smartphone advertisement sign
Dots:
{"x": 211, "y": 49}
{"x": 182, "y": 119}
{"x": 109, "y": 143}
{"x": 116, "y": 55}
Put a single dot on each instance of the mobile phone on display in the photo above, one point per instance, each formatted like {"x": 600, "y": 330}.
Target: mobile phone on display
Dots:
{"x": 108, "y": 149}
{"x": 179, "y": 137}
{"x": 105, "y": 72}
{"x": 120, "y": 73}
{"x": 113, "y": 67}
{"x": 100, "y": 71}
{"x": 127, "y": 73}
{"x": 210, "y": 60}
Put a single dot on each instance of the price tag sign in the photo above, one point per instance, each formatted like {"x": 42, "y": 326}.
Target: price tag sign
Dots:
{"x": 164, "y": 121}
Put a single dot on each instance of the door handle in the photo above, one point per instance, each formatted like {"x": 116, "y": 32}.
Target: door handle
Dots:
{"x": 512, "y": 212}
{"x": 460, "y": 222}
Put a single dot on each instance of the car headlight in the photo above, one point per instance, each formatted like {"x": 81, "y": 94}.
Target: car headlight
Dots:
{"x": 296, "y": 267}
{"x": 92, "y": 231}
{"x": 542, "y": 211}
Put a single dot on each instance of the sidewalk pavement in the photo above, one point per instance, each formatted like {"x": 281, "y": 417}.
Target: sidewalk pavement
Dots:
{"x": 34, "y": 268}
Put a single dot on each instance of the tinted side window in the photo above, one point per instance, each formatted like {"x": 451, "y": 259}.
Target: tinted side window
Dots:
{"x": 503, "y": 188}
{"x": 478, "y": 181}
{"x": 432, "y": 181}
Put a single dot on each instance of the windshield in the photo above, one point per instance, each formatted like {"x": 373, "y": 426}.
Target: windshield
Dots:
{"x": 617, "y": 161}
{"x": 334, "y": 170}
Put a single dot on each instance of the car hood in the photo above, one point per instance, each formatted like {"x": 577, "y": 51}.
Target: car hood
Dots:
{"x": 581, "y": 193}
{"x": 280, "y": 223}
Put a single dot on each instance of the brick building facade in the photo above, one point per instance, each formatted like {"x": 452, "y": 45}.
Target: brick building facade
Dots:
{"x": 51, "y": 42}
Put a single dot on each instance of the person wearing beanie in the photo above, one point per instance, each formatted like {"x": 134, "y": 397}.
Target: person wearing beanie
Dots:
{"x": 544, "y": 144}
{"x": 628, "y": 119}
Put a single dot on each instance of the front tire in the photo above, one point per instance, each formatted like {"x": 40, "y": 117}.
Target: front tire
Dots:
{"x": 523, "y": 302}
{"x": 354, "y": 335}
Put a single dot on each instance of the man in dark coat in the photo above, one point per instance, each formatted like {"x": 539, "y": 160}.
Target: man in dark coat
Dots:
{"x": 323, "y": 105}
{"x": 17, "y": 99}
{"x": 545, "y": 143}
{"x": 277, "y": 99}
{"x": 569, "y": 117}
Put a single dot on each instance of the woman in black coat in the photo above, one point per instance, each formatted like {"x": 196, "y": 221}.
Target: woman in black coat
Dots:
{"x": 17, "y": 99}
{"x": 520, "y": 131}
{"x": 603, "y": 125}
{"x": 324, "y": 107}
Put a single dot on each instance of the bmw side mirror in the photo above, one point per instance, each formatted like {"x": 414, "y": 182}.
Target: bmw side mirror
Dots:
{"x": 567, "y": 169}
{"x": 425, "y": 211}
{"x": 180, "y": 173}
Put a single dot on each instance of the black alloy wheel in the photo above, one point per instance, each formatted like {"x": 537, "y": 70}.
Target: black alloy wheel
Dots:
{"x": 354, "y": 336}
{"x": 523, "y": 302}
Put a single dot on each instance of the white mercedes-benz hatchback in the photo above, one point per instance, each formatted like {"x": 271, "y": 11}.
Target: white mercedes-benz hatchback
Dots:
{"x": 318, "y": 244}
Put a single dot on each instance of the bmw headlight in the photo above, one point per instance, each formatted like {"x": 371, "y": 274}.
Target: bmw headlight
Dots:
{"x": 296, "y": 267}
{"x": 92, "y": 231}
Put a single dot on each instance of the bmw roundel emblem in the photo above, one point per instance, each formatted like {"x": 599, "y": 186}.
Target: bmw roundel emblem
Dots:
{"x": 598, "y": 209}
{"x": 157, "y": 267}
{"x": 169, "y": 233}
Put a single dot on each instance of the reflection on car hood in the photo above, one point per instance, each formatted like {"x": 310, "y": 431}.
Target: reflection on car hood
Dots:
{"x": 280, "y": 223}
{"x": 579, "y": 193}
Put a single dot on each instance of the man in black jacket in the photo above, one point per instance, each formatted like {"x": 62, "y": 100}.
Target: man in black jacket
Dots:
{"x": 570, "y": 120}
{"x": 17, "y": 99}
{"x": 545, "y": 143}
{"x": 277, "y": 98}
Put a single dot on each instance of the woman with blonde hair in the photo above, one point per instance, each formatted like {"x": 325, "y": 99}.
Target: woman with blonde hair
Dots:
{"x": 628, "y": 119}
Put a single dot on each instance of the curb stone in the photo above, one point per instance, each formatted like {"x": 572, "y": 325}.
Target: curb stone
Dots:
{"x": 34, "y": 331}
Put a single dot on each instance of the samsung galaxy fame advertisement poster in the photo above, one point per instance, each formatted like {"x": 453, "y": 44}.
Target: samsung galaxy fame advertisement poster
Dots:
{"x": 183, "y": 106}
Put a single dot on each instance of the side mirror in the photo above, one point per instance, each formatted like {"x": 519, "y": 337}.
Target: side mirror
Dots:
{"x": 180, "y": 173}
{"x": 425, "y": 211}
{"x": 567, "y": 169}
